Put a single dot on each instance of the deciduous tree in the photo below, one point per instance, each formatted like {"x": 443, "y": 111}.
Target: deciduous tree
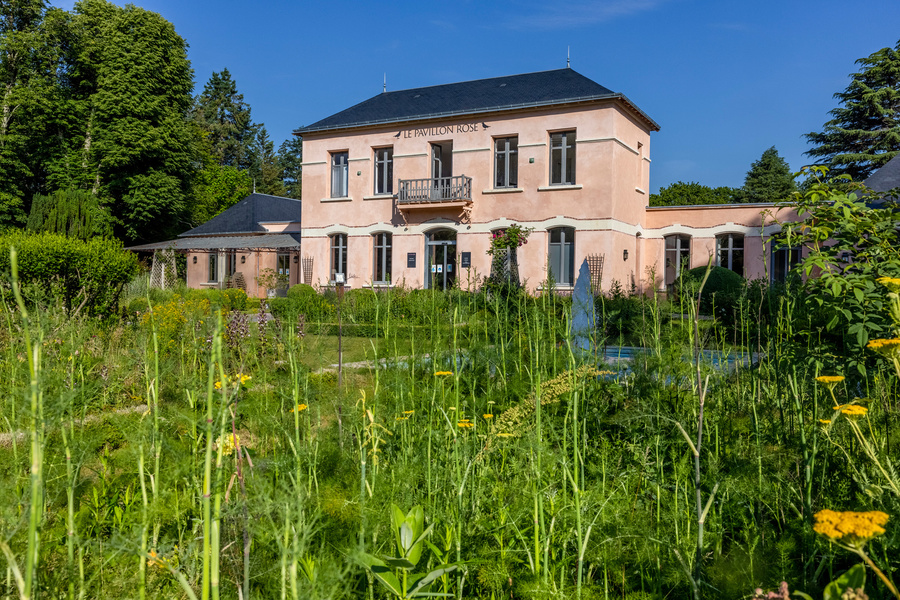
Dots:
{"x": 681, "y": 194}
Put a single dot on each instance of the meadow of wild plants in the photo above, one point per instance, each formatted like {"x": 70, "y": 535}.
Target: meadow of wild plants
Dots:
{"x": 192, "y": 446}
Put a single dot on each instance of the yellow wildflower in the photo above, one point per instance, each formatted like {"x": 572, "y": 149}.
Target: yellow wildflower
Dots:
{"x": 488, "y": 416}
{"x": 465, "y": 424}
{"x": 402, "y": 418}
{"x": 443, "y": 373}
{"x": 299, "y": 408}
{"x": 830, "y": 379}
{"x": 451, "y": 408}
{"x": 889, "y": 348}
{"x": 854, "y": 410}
{"x": 852, "y": 528}
{"x": 824, "y": 421}
{"x": 506, "y": 435}
{"x": 892, "y": 283}
{"x": 228, "y": 444}
{"x": 408, "y": 412}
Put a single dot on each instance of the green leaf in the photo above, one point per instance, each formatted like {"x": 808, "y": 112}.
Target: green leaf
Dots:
{"x": 400, "y": 563}
{"x": 855, "y": 578}
{"x": 421, "y": 583}
{"x": 382, "y": 573}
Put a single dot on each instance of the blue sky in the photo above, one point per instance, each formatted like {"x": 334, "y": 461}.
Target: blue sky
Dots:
{"x": 724, "y": 80}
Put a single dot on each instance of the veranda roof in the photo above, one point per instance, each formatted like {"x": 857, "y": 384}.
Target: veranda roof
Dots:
{"x": 269, "y": 241}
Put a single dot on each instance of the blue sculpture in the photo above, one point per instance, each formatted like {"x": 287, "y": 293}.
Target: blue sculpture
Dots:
{"x": 584, "y": 317}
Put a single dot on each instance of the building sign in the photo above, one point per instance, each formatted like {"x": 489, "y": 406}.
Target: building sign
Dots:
{"x": 440, "y": 130}
{"x": 466, "y": 260}
{"x": 410, "y": 260}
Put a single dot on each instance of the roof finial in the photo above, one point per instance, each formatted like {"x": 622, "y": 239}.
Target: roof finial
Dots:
{"x": 568, "y": 58}
{"x": 254, "y": 185}
{"x": 384, "y": 88}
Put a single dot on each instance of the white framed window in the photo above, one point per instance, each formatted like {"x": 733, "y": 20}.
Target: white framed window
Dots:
{"x": 562, "y": 158}
{"x": 340, "y": 174}
{"x": 339, "y": 255}
{"x": 506, "y": 162}
{"x": 678, "y": 255}
{"x": 384, "y": 170}
{"x": 382, "y": 273}
{"x": 562, "y": 255}
{"x": 730, "y": 252}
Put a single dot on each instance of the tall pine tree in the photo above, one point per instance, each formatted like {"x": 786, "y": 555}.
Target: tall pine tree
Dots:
{"x": 865, "y": 131}
{"x": 222, "y": 114}
{"x": 768, "y": 180}
{"x": 267, "y": 171}
{"x": 290, "y": 157}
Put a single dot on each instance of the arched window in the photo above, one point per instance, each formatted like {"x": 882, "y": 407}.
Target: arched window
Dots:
{"x": 678, "y": 254}
{"x": 730, "y": 252}
{"x": 339, "y": 256}
{"x": 382, "y": 273}
{"x": 562, "y": 255}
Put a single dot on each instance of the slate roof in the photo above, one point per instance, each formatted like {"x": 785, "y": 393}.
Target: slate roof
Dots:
{"x": 226, "y": 242}
{"x": 886, "y": 178}
{"x": 511, "y": 92}
{"x": 247, "y": 214}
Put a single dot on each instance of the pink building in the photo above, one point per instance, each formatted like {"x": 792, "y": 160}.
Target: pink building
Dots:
{"x": 408, "y": 188}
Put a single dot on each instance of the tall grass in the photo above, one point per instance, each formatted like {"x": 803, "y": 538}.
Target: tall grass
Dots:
{"x": 544, "y": 472}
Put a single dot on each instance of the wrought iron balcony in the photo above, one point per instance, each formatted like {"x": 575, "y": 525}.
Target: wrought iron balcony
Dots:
{"x": 456, "y": 189}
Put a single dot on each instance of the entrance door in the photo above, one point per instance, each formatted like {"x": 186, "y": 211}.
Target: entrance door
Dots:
{"x": 440, "y": 268}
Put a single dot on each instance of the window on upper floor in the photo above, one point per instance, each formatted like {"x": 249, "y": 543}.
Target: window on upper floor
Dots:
{"x": 562, "y": 158}
{"x": 382, "y": 274}
{"x": 384, "y": 170}
{"x": 562, "y": 255}
{"x": 339, "y": 174}
{"x": 339, "y": 256}
{"x": 730, "y": 252}
{"x": 678, "y": 256}
{"x": 506, "y": 162}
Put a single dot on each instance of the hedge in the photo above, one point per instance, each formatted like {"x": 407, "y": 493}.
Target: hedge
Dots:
{"x": 85, "y": 274}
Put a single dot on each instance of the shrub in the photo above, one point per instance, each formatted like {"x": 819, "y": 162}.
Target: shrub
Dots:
{"x": 722, "y": 291}
{"x": 82, "y": 273}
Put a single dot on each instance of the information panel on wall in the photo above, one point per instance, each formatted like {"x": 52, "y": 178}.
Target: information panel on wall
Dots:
{"x": 465, "y": 260}
{"x": 410, "y": 260}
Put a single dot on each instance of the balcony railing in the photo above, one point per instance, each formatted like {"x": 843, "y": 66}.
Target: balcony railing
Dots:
{"x": 440, "y": 189}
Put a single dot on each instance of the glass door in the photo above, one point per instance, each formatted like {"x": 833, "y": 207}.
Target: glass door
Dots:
{"x": 440, "y": 268}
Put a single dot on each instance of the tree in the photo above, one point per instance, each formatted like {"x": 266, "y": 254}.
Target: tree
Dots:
{"x": 72, "y": 213}
{"x": 218, "y": 188}
{"x": 768, "y": 180}
{"x": 865, "y": 131}
{"x": 267, "y": 170}
{"x": 127, "y": 89}
{"x": 221, "y": 112}
{"x": 29, "y": 62}
{"x": 290, "y": 157}
{"x": 682, "y": 194}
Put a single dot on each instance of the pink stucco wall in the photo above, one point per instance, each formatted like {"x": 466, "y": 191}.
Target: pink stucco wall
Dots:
{"x": 607, "y": 206}
{"x": 254, "y": 263}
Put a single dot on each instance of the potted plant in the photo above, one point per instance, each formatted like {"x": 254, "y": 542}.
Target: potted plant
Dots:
{"x": 274, "y": 283}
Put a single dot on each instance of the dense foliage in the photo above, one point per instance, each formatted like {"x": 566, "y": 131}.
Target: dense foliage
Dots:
{"x": 98, "y": 100}
{"x": 768, "y": 180}
{"x": 865, "y": 131}
{"x": 84, "y": 275}
{"x": 682, "y": 194}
